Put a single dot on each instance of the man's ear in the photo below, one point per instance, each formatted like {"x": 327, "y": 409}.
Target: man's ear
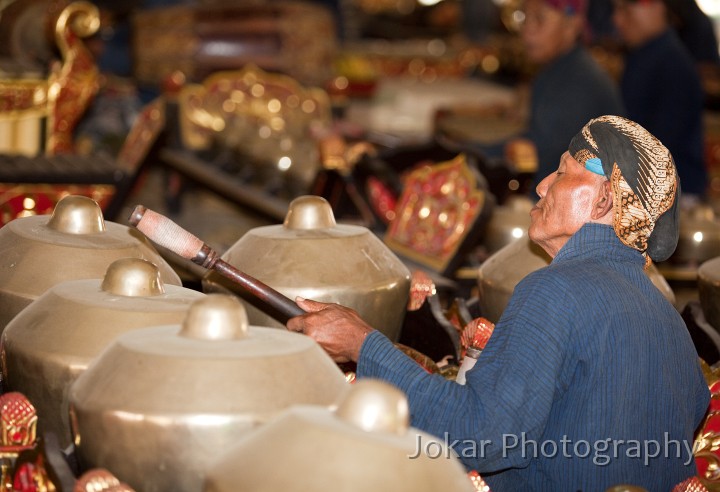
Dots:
{"x": 603, "y": 204}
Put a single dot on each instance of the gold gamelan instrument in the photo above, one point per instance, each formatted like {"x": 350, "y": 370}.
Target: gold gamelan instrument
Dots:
{"x": 54, "y": 339}
{"x": 365, "y": 444}
{"x": 75, "y": 242}
{"x": 309, "y": 256}
{"x": 161, "y": 404}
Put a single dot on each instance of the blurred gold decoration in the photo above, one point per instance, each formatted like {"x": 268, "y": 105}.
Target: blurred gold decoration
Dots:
{"x": 270, "y": 117}
{"x": 521, "y": 153}
{"x": 398, "y": 7}
{"x": 23, "y": 103}
{"x": 337, "y": 154}
{"x": 296, "y": 38}
{"x": 361, "y": 64}
{"x": 249, "y": 97}
{"x": 61, "y": 98}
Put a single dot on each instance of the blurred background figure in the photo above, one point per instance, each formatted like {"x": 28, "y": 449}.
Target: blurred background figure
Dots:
{"x": 695, "y": 29}
{"x": 569, "y": 88}
{"x": 661, "y": 88}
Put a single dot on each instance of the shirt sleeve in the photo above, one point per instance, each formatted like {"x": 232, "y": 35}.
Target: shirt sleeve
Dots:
{"x": 509, "y": 392}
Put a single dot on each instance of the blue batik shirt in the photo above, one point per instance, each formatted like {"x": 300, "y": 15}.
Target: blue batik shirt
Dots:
{"x": 589, "y": 380}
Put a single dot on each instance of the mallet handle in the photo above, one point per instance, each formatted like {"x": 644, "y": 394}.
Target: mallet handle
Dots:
{"x": 168, "y": 234}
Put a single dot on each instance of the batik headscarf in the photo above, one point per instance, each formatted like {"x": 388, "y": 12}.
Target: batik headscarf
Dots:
{"x": 643, "y": 178}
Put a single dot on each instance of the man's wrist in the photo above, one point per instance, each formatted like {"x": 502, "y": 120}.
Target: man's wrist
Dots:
{"x": 359, "y": 345}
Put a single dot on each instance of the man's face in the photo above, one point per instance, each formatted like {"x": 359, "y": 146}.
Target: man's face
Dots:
{"x": 638, "y": 22}
{"x": 566, "y": 202}
{"x": 546, "y": 32}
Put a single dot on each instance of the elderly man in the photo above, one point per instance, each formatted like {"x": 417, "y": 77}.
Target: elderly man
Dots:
{"x": 590, "y": 378}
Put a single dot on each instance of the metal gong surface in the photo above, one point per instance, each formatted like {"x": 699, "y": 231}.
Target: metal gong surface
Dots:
{"x": 54, "y": 339}
{"x": 311, "y": 256}
{"x": 709, "y": 291}
{"x": 508, "y": 222}
{"x": 366, "y": 444}
{"x": 161, "y": 404}
{"x": 75, "y": 242}
{"x": 699, "y": 239}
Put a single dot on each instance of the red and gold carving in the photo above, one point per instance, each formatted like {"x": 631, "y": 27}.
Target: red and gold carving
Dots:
{"x": 72, "y": 84}
{"x": 707, "y": 440}
{"x": 21, "y": 200}
{"x": 476, "y": 333}
{"x": 18, "y": 423}
{"x": 382, "y": 199}
{"x": 62, "y": 98}
{"x": 692, "y": 484}
{"x": 32, "y": 477}
{"x": 436, "y": 211}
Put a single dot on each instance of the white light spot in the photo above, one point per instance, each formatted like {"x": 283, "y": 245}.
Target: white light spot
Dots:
{"x": 284, "y": 163}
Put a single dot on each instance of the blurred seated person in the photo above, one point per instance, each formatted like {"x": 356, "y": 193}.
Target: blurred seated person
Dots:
{"x": 570, "y": 87}
{"x": 661, "y": 88}
{"x": 695, "y": 30}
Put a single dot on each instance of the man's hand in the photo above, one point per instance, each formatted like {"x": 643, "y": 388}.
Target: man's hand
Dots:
{"x": 338, "y": 329}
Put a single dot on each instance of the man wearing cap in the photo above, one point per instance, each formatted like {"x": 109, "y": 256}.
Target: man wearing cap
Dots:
{"x": 661, "y": 87}
{"x": 569, "y": 88}
{"x": 590, "y": 378}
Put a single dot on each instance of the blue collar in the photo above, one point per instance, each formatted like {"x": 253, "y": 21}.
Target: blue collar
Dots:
{"x": 597, "y": 241}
